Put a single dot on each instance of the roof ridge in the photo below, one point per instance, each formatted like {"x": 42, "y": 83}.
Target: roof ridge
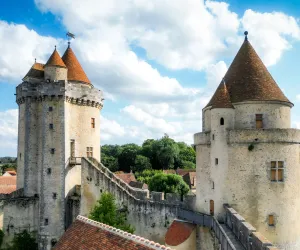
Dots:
{"x": 119, "y": 232}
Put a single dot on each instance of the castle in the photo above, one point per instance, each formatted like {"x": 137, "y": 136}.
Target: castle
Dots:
{"x": 248, "y": 158}
{"x": 247, "y": 155}
{"x": 59, "y": 122}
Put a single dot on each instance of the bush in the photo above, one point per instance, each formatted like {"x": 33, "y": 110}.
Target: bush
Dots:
{"x": 106, "y": 211}
{"x": 23, "y": 241}
{"x": 168, "y": 183}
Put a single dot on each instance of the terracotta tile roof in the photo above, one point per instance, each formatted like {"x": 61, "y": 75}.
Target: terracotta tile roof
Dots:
{"x": 128, "y": 177}
{"x": 55, "y": 60}
{"x": 137, "y": 184}
{"x": 248, "y": 79}
{"x": 86, "y": 234}
{"x": 184, "y": 171}
{"x": 36, "y": 71}
{"x": 75, "y": 71}
{"x": 221, "y": 98}
{"x": 8, "y": 184}
{"x": 179, "y": 232}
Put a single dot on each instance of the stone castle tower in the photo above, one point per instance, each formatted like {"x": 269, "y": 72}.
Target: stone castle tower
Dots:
{"x": 247, "y": 155}
{"x": 59, "y": 121}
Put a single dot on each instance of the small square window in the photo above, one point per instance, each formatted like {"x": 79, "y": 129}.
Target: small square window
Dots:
{"x": 51, "y": 126}
{"x": 46, "y": 222}
{"x": 50, "y": 109}
{"x": 48, "y": 170}
{"x": 216, "y": 161}
{"x": 54, "y": 195}
{"x": 52, "y": 150}
{"x": 273, "y": 164}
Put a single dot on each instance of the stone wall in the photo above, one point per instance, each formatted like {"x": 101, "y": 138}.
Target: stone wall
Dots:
{"x": 19, "y": 213}
{"x": 150, "y": 213}
{"x": 245, "y": 232}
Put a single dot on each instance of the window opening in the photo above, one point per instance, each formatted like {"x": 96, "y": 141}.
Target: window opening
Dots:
{"x": 50, "y": 109}
{"x": 213, "y": 185}
{"x": 213, "y": 136}
{"x": 52, "y": 150}
{"x": 89, "y": 151}
{"x": 271, "y": 220}
{"x": 93, "y": 122}
{"x": 216, "y": 161}
{"x": 222, "y": 121}
{"x": 277, "y": 171}
{"x": 259, "y": 120}
{"x": 49, "y": 171}
{"x": 211, "y": 207}
{"x": 54, "y": 195}
{"x": 51, "y": 125}
{"x": 46, "y": 222}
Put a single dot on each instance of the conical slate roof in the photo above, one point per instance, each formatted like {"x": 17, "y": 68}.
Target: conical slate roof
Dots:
{"x": 221, "y": 98}
{"x": 75, "y": 71}
{"x": 55, "y": 60}
{"x": 248, "y": 79}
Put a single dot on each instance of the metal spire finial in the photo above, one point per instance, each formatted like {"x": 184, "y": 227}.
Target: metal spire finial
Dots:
{"x": 55, "y": 47}
{"x": 34, "y": 60}
{"x": 246, "y": 35}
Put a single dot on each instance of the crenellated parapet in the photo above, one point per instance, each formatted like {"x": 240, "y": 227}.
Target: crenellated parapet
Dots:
{"x": 73, "y": 93}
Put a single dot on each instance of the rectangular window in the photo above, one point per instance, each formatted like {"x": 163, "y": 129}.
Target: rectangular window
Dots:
{"x": 89, "y": 151}
{"x": 277, "y": 171}
{"x": 271, "y": 220}
{"x": 48, "y": 170}
{"x": 51, "y": 126}
{"x": 50, "y": 109}
{"x": 216, "y": 161}
{"x": 46, "y": 222}
{"x": 259, "y": 120}
{"x": 54, "y": 195}
{"x": 93, "y": 122}
{"x": 52, "y": 150}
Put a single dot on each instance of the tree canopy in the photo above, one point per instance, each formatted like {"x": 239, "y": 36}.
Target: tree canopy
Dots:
{"x": 107, "y": 212}
{"x": 168, "y": 183}
{"x": 159, "y": 154}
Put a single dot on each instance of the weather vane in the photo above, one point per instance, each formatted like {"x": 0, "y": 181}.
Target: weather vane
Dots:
{"x": 70, "y": 36}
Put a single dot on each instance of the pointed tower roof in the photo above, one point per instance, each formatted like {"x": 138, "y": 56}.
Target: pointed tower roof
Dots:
{"x": 75, "y": 71}
{"x": 36, "y": 71}
{"x": 221, "y": 98}
{"x": 55, "y": 60}
{"x": 248, "y": 79}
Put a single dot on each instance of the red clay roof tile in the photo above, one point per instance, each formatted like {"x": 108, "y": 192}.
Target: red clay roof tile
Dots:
{"x": 179, "y": 232}
{"x": 75, "y": 71}
{"x": 55, "y": 60}
{"x": 248, "y": 79}
{"x": 36, "y": 71}
{"x": 87, "y": 234}
{"x": 127, "y": 177}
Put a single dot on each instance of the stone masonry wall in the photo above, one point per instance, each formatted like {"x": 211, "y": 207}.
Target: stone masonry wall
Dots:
{"x": 150, "y": 214}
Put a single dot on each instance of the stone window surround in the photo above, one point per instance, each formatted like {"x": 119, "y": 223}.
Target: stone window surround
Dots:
{"x": 274, "y": 167}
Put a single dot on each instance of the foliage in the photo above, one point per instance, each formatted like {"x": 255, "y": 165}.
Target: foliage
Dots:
{"x": 168, "y": 183}
{"x": 250, "y": 147}
{"x": 126, "y": 158}
{"x": 106, "y": 211}
{"x": 146, "y": 175}
{"x": 1, "y": 237}
{"x": 141, "y": 162}
{"x": 163, "y": 153}
{"x": 23, "y": 241}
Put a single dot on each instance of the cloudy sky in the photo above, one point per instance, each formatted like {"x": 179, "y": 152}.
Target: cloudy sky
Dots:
{"x": 157, "y": 61}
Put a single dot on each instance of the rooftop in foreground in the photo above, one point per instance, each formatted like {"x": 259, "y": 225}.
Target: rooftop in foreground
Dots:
{"x": 88, "y": 234}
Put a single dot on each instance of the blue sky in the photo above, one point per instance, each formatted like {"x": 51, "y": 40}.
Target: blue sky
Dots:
{"x": 157, "y": 63}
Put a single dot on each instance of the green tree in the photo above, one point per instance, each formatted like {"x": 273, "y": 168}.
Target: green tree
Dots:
{"x": 106, "y": 211}
{"x": 23, "y": 241}
{"x": 126, "y": 158}
{"x": 111, "y": 150}
{"x": 141, "y": 163}
{"x": 168, "y": 183}
{"x": 166, "y": 151}
{"x": 146, "y": 175}
{"x": 110, "y": 162}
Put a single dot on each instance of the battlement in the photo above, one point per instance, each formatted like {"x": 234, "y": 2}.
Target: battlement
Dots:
{"x": 141, "y": 194}
{"x": 74, "y": 93}
{"x": 245, "y": 232}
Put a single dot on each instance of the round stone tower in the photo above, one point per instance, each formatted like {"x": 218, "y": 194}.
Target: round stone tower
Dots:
{"x": 59, "y": 122}
{"x": 247, "y": 155}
